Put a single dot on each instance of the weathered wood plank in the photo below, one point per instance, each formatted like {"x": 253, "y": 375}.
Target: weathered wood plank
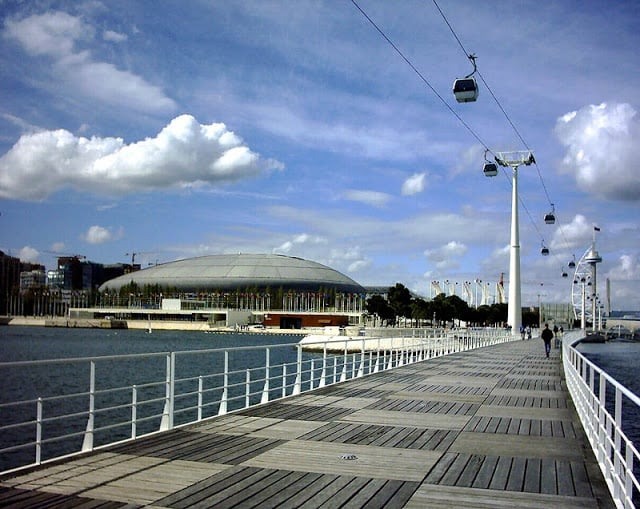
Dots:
{"x": 532, "y": 476}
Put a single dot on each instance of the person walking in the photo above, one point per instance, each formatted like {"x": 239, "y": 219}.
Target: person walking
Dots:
{"x": 547, "y": 336}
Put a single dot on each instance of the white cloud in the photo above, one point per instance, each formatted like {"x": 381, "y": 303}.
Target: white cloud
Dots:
{"x": 374, "y": 198}
{"x": 574, "y": 234}
{"x": 98, "y": 235}
{"x": 446, "y": 257}
{"x": 28, "y": 254}
{"x": 601, "y": 144}
{"x": 351, "y": 258}
{"x": 110, "y": 35}
{"x": 414, "y": 184}
{"x": 183, "y": 154}
{"x": 628, "y": 268}
{"x": 57, "y": 247}
{"x": 56, "y": 35}
{"x": 297, "y": 241}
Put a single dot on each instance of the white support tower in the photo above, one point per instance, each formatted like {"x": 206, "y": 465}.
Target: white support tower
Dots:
{"x": 514, "y": 313}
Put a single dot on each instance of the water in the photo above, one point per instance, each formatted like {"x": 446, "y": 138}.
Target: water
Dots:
{"x": 620, "y": 360}
{"x": 200, "y": 354}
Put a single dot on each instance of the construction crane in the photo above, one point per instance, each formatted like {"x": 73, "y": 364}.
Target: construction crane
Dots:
{"x": 134, "y": 254}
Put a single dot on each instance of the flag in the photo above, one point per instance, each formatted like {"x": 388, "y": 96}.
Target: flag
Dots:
{"x": 596, "y": 228}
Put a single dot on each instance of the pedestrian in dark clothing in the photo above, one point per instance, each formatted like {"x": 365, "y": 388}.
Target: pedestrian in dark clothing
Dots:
{"x": 547, "y": 336}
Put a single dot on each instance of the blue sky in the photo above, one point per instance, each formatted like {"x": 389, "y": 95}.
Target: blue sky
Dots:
{"x": 179, "y": 129}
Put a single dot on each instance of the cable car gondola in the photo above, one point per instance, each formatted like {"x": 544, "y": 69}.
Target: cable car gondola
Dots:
{"x": 572, "y": 263}
{"x": 564, "y": 273}
{"x": 544, "y": 251}
{"x": 550, "y": 217}
{"x": 466, "y": 89}
{"x": 490, "y": 169}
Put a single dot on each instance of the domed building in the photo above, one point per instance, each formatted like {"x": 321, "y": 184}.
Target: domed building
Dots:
{"x": 236, "y": 290}
{"x": 237, "y": 272}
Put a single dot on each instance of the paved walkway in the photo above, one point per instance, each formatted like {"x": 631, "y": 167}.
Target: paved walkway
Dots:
{"x": 488, "y": 428}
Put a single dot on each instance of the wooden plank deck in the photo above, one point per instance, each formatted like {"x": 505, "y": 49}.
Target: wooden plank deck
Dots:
{"x": 481, "y": 429}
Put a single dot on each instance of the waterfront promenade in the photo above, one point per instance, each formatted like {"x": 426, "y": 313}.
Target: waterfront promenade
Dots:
{"x": 485, "y": 428}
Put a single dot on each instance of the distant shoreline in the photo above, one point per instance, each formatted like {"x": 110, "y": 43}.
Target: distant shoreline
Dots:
{"x": 81, "y": 323}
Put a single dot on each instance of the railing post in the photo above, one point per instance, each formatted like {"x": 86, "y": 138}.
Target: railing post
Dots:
{"x": 87, "y": 442}
{"x": 247, "y": 388}
{"x": 134, "y": 410}
{"x": 200, "y": 392}
{"x": 284, "y": 380}
{"x": 323, "y": 373}
{"x": 617, "y": 429}
{"x": 602, "y": 442}
{"x": 223, "y": 400}
{"x": 343, "y": 375}
{"x": 39, "y": 431}
{"x": 376, "y": 365}
{"x": 298, "y": 383}
{"x": 361, "y": 368}
{"x": 167, "y": 414}
{"x": 312, "y": 370}
{"x": 335, "y": 368}
{"x": 628, "y": 478}
{"x": 265, "y": 389}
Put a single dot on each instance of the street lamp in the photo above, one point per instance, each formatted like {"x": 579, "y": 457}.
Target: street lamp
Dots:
{"x": 514, "y": 309}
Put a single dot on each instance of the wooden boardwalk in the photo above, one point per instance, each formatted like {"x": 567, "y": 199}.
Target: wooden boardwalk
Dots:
{"x": 482, "y": 429}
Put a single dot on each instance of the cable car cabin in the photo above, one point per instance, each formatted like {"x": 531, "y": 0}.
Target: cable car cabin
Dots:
{"x": 549, "y": 218}
{"x": 572, "y": 264}
{"x": 490, "y": 169}
{"x": 564, "y": 274}
{"x": 465, "y": 90}
{"x": 544, "y": 251}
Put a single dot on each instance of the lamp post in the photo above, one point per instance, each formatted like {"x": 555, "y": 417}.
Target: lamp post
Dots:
{"x": 514, "y": 308}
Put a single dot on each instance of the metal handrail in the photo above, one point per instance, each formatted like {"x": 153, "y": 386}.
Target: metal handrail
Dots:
{"x": 170, "y": 401}
{"x": 598, "y": 399}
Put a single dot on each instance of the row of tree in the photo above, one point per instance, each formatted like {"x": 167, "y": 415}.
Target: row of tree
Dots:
{"x": 400, "y": 306}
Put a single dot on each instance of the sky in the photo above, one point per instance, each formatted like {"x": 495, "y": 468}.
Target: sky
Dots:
{"x": 180, "y": 129}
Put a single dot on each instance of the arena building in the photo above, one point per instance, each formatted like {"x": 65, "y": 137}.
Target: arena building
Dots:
{"x": 234, "y": 290}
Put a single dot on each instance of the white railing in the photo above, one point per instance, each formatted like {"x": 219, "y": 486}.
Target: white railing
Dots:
{"x": 101, "y": 401}
{"x": 599, "y": 400}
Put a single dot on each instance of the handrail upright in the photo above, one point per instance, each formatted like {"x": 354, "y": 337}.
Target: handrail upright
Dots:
{"x": 87, "y": 442}
{"x": 247, "y": 388}
{"x": 362, "y": 357}
{"x": 223, "y": 398}
{"x": 39, "y": 431}
{"x": 200, "y": 394}
{"x": 298, "y": 382}
{"x": 343, "y": 375}
{"x": 323, "y": 373}
{"x": 265, "y": 389}
{"x": 134, "y": 410}
{"x": 284, "y": 380}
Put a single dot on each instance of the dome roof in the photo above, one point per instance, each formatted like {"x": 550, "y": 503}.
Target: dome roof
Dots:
{"x": 239, "y": 271}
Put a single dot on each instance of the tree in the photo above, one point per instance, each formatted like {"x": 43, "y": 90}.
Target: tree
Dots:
{"x": 378, "y": 306}
{"x": 400, "y": 300}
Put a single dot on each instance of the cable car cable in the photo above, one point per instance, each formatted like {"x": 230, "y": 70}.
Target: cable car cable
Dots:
{"x": 506, "y": 115}
{"x": 421, "y": 76}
